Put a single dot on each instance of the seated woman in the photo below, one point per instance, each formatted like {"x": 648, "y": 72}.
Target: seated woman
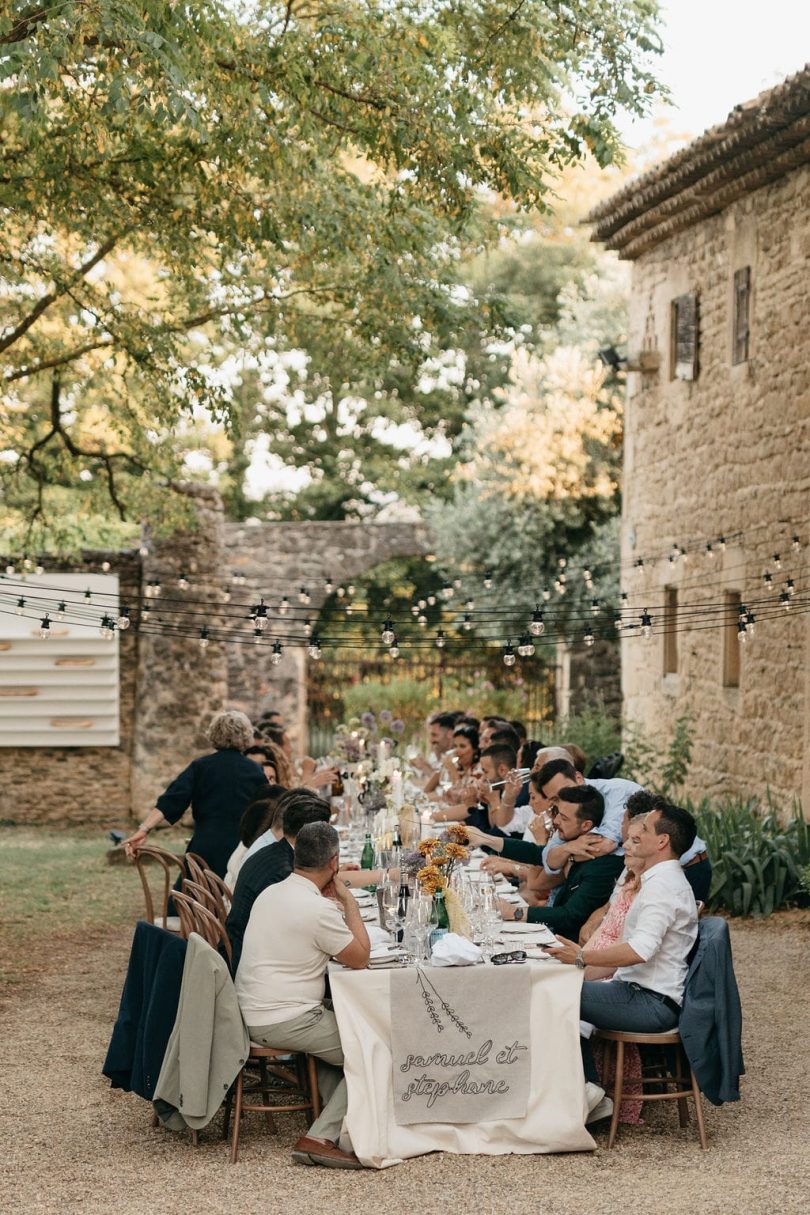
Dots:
{"x": 609, "y": 933}
{"x": 461, "y": 765}
{"x": 262, "y": 815}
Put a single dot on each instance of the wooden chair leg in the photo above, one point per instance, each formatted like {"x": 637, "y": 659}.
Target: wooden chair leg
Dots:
{"x": 265, "y": 1083}
{"x": 312, "y": 1073}
{"x": 226, "y": 1119}
{"x": 683, "y": 1107}
{"x": 155, "y": 1119}
{"x": 195, "y": 1138}
{"x": 618, "y": 1083}
{"x": 237, "y": 1116}
{"x": 704, "y": 1143}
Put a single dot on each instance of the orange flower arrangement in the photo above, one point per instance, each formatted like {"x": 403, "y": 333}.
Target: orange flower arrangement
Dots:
{"x": 441, "y": 858}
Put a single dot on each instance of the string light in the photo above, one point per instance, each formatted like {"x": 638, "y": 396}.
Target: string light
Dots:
{"x": 588, "y": 638}
{"x": 784, "y": 599}
{"x": 20, "y": 608}
{"x": 467, "y": 623}
{"x": 203, "y": 638}
{"x": 797, "y": 544}
{"x": 275, "y": 653}
{"x": 525, "y": 646}
{"x": 777, "y": 561}
{"x": 257, "y": 635}
{"x": 431, "y": 600}
{"x": 350, "y": 589}
{"x": 742, "y": 632}
{"x": 750, "y": 621}
{"x": 61, "y": 609}
{"x": 307, "y": 627}
{"x": 639, "y": 565}
{"x": 304, "y": 596}
{"x": 595, "y": 607}
{"x": 710, "y": 552}
{"x": 328, "y": 585}
{"x": 340, "y": 592}
{"x": 10, "y": 571}
{"x": 387, "y": 634}
{"x": 767, "y": 579}
{"x": 106, "y": 628}
{"x": 508, "y": 655}
{"x": 546, "y": 594}
{"x": 45, "y": 628}
{"x": 646, "y": 625}
{"x": 470, "y": 605}
{"x": 314, "y": 649}
{"x": 124, "y": 620}
{"x": 260, "y": 616}
{"x": 488, "y": 580}
{"x": 394, "y": 649}
{"x": 88, "y": 595}
{"x": 721, "y": 544}
{"x": 447, "y": 592}
{"x": 40, "y": 570}
{"x": 790, "y": 587}
{"x": 440, "y": 639}
{"x": 537, "y": 625}
{"x": 182, "y": 583}
{"x": 284, "y": 606}
{"x": 421, "y": 620}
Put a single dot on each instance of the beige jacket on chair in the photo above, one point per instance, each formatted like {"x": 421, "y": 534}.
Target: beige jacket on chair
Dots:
{"x": 208, "y": 1045}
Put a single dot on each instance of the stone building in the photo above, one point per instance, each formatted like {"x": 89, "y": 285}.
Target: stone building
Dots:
{"x": 717, "y": 444}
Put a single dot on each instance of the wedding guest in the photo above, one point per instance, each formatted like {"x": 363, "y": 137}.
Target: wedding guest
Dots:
{"x": 645, "y": 993}
{"x": 272, "y": 863}
{"x": 261, "y": 816}
{"x": 695, "y": 862}
{"x": 440, "y": 727}
{"x": 559, "y": 774}
{"x": 262, "y": 755}
{"x": 587, "y": 883}
{"x": 292, "y": 934}
{"x": 217, "y": 787}
{"x": 463, "y": 770}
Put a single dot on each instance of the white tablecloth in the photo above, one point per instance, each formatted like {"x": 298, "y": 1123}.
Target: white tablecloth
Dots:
{"x": 555, "y": 1121}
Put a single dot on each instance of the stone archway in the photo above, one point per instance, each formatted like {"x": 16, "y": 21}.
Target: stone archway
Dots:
{"x": 178, "y": 687}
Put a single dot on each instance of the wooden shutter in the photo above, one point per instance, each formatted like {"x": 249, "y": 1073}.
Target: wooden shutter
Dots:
{"x": 684, "y": 356}
{"x": 742, "y": 304}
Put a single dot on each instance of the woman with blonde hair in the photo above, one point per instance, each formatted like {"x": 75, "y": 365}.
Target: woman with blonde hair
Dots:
{"x": 217, "y": 787}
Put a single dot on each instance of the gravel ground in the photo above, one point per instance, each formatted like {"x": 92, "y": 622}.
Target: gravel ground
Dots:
{"x": 70, "y": 1144}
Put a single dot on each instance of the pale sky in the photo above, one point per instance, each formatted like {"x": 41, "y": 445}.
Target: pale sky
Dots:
{"x": 719, "y": 53}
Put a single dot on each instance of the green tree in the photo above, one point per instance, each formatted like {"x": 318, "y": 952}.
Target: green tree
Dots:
{"x": 273, "y": 173}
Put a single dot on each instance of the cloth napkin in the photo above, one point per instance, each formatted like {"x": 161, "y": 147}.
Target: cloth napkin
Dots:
{"x": 453, "y": 950}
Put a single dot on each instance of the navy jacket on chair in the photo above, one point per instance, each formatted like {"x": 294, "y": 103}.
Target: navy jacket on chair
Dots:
{"x": 147, "y": 1011}
{"x": 711, "y": 1018}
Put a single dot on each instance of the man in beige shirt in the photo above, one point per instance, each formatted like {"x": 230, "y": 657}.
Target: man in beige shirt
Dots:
{"x": 295, "y": 927}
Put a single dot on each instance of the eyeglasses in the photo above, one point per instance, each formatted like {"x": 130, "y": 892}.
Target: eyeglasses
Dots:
{"x": 509, "y": 959}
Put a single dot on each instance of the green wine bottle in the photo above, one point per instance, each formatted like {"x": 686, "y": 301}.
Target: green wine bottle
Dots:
{"x": 439, "y": 921}
{"x": 367, "y": 858}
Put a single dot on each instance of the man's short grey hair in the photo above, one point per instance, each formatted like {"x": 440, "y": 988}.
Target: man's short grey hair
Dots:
{"x": 230, "y": 729}
{"x": 315, "y": 845}
{"x": 548, "y": 753}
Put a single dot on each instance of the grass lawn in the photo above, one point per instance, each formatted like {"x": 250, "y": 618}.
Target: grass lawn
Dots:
{"x": 57, "y": 887}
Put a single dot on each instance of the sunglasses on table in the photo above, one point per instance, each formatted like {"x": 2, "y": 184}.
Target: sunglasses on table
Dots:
{"x": 509, "y": 959}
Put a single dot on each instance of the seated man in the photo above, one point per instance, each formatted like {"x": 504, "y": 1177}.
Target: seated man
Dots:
{"x": 559, "y": 774}
{"x": 271, "y": 864}
{"x": 496, "y": 762}
{"x": 587, "y": 883}
{"x": 646, "y": 991}
{"x": 695, "y": 862}
{"x": 295, "y": 927}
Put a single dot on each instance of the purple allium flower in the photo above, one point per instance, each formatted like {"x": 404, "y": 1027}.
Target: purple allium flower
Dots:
{"x": 398, "y": 726}
{"x": 385, "y": 716}
{"x": 368, "y": 720}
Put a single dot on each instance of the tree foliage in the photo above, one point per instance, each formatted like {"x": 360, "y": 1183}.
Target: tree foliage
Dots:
{"x": 177, "y": 180}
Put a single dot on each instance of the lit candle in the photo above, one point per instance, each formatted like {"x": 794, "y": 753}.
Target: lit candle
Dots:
{"x": 396, "y": 789}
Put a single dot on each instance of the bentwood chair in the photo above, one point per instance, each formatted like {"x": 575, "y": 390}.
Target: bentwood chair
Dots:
{"x": 683, "y": 1088}
{"x": 298, "y": 1090}
{"x": 171, "y": 866}
{"x": 195, "y": 917}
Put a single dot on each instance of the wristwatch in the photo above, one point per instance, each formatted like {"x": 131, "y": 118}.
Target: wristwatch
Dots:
{"x": 519, "y": 913}
{"x": 579, "y": 960}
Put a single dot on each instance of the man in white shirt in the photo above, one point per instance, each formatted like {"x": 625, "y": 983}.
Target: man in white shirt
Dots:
{"x": 295, "y": 927}
{"x": 646, "y": 992}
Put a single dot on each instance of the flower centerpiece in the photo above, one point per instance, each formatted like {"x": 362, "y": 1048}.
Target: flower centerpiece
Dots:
{"x": 433, "y": 863}
{"x": 352, "y": 739}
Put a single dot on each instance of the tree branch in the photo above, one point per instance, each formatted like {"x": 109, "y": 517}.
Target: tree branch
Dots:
{"x": 23, "y": 373}
{"x": 45, "y": 302}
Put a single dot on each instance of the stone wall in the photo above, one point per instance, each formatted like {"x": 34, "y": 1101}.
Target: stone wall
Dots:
{"x": 726, "y": 453}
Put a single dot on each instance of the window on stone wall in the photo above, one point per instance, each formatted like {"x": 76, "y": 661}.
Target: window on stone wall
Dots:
{"x": 670, "y": 630}
{"x": 731, "y": 641}
{"x": 742, "y": 306}
{"x": 683, "y": 359}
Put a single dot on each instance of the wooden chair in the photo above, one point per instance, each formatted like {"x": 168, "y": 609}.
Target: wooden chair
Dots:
{"x": 168, "y": 862}
{"x": 195, "y": 917}
{"x": 201, "y": 892}
{"x": 297, "y": 1071}
{"x": 196, "y": 867}
{"x": 221, "y": 892}
{"x": 681, "y": 1093}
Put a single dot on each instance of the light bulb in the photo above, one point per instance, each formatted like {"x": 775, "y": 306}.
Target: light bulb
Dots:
{"x": 275, "y": 656}
{"x": 639, "y": 565}
{"x": 88, "y": 595}
{"x": 145, "y": 612}
{"x": 588, "y": 638}
{"x": 260, "y": 615}
{"x": 562, "y": 562}
{"x": 105, "y": 567}
{"x": 20, "y": 608}
{"x": 797, "y": 544}
{"x": 546, "y": 594}
{"x": 586, "y": 574}
{"x": 123, "y": 619}
{"x": 394, "y": 649}
{"x": 340, "y": 592}
{"x": 414, "y": 609}
{"x": 40, "y": 570}
{"x": 387, "y": 634}
{"x": 742, "y": 632}
{"x": 304, "y": 596}
{"x": 328, "y": 585}
{"x": 421, "y": 621}
{"x": 469, "y": 606}
{"x": 10, "y": 571}
{"x": 646, "y": 625}
{"x": 27, "y": 563}
{"x": 537, "y": 625}
{"x": 447, "y": 591}
{"x": 508, "y": 655}
{"x": 767, "y": 579}
{"x": 143, "y": 551}
{"x": 751, "y": 622}
{"x": 488, "y": 580}
{"x": 431, "y": 600}
{"x": 790, "y": 587}
{"x": 61, "y": 609}
{"x": 107, "y": 628}
{"x": 721, "y": 543}
{"x": 350, "y": 589}
{"x": 156, "y": 588}
{"x": 422, "y": 604}
{"x": 182, "y": 583}
{"x": 595, "y": 607}
{"x": 257, "y": 636}
{"x": 307, "y": 627}
{"x": 349, "y": 609}
{"x": 618, "y": 623}
{"x": 45, "y": 628}
{"x": 784, "y": 599}
{"x": 203, "y": 638}
{"x": 777, "y": 561}
{"x": 710, "y": 552}
{"x": 440, "y": 639}
{"x": 467, "y": 623}
{"x": 314, "y": 649}
{"x": 284, "y": 606}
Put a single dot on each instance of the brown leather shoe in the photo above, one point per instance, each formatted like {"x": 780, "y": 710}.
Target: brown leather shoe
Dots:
{"x": 322, "y": 1152}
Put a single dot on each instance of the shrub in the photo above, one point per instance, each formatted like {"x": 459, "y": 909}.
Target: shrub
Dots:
{"x": 758, "y": 862}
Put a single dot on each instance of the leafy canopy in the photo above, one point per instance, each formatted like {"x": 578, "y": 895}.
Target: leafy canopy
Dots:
{"x": 175, "y": 177}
